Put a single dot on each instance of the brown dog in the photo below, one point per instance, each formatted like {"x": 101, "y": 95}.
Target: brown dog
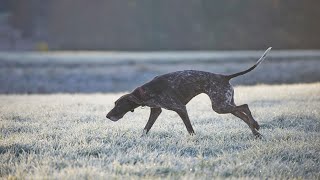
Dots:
{"x": 174, "y": 90}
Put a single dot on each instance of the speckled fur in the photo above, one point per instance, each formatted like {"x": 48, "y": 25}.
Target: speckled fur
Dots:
{"x": 174, "y": 90}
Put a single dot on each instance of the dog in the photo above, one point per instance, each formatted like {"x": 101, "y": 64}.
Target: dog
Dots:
{"x": 174, "y": 90}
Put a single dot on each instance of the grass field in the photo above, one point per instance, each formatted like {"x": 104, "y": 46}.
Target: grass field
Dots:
{"x": 67, "y": 136}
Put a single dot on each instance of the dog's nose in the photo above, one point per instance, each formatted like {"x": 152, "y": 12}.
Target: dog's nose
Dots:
{"x": 107, "y": 116}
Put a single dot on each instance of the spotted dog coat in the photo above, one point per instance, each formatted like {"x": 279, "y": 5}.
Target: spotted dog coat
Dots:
{"x": 174, "y": 90}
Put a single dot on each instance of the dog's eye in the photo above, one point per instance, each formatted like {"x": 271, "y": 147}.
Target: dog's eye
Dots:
{"x": 132, "y": 110}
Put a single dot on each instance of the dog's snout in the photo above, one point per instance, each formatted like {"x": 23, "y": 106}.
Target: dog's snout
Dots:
{"x": 112, "y": 118}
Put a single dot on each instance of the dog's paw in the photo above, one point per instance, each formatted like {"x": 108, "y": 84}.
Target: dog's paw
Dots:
{"x": 257, "y": 135}
{"x": 144, "y": 133}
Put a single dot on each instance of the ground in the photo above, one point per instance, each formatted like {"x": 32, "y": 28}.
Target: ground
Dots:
{"x": 67, "y": 136}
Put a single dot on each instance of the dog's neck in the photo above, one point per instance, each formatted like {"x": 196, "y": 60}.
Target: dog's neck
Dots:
{"x": 140, "y": 94}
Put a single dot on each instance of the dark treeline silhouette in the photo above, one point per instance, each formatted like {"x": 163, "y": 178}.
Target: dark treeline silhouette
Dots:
{"x": 170, "y": 24}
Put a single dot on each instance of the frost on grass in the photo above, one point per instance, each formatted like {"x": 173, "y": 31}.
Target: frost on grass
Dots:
{"x": 68, "y": 136}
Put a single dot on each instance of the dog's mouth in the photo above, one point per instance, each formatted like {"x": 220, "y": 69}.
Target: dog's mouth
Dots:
{"x": 113, "y": 118}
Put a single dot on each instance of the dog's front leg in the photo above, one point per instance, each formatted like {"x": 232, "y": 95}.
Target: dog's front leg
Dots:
{"x": 154, "y": 114}
{"x": 184, "y": 116}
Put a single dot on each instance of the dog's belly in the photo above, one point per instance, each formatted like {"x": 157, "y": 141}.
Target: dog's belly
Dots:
{"x": 187, "y": 91}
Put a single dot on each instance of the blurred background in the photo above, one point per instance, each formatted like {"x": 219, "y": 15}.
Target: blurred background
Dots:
{"x": 50, "y": 46}
{"x": 159, "y": 25}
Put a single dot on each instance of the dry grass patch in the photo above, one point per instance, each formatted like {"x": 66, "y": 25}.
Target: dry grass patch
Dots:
{"x": 68, "y": 136}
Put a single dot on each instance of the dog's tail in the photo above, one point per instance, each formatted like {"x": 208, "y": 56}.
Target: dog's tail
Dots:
{"x": 250, "y": 69}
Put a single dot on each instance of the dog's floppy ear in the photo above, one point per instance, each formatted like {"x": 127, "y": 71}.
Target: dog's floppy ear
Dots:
{"x": 134, "y": 99}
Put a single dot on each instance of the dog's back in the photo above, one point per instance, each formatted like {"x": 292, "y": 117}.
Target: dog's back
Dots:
{"x": 186, "y": 84}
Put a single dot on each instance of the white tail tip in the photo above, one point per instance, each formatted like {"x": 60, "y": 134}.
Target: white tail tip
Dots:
{"x": 264, "y": 55}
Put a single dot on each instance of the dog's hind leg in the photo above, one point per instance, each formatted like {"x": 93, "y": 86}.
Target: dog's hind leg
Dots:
{"x": 246, "y": 119}
{"x": 154, "y": 114}
{"x": 245, "y": 108}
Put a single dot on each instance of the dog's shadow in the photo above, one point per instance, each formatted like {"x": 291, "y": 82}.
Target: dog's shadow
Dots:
{"x": 300, "y": 123}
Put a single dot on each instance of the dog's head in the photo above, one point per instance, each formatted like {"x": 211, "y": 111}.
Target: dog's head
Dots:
{"x": 123, "y": 105}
